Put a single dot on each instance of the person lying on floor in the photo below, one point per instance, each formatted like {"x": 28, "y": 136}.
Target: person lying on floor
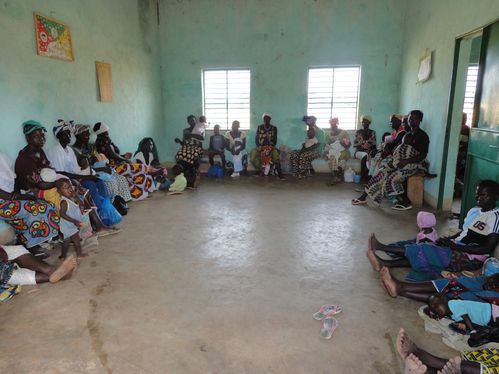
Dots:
{"x": 19, "y": 267}
{"x": 464, "y": 251}
{"x": 419, "y": 361}
{"x": 468, "y": 313}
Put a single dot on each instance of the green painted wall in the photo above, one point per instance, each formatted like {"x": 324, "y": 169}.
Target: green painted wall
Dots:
{"x": 434, "y": 25}
{"x": 121, "y": 32}
{"x": 279, "y": 41}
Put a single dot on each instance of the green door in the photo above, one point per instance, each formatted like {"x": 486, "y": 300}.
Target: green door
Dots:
{"x": 483, "y": 149}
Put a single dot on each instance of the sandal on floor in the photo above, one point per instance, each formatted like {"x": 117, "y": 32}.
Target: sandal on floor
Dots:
{"x": 327, "y": 310}
{"x": 359, "y": 202}
{"x": 329, "y": 324}
{"x": 401, "y": 207}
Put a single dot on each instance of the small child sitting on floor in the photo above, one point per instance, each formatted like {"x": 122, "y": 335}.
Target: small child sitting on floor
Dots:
{"x": 180, "y": 183}
{"x": 465, "y": 312}
{"x": 427, "y": 233}
{"x": 72, "y": 218}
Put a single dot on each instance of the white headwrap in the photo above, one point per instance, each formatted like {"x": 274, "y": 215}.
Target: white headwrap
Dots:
{"x": 102, "y": 129}
{"x": 367, "y": 117}
{"x": 7, "y": 175}
{"x": 62, "y": 126}
{"x": 266, "y": 115}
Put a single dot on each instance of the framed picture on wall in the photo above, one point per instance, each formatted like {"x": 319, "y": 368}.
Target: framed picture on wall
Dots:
{"x": 53, "y": 38}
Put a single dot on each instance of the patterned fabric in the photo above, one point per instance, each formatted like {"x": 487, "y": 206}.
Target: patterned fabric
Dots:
{"x": 389, "y": 180}
{"x": 8, "y": 292}
{"x": 301, "y": 161}
{"x": 266, "y": 136}
{"x": 266, "y": 154}
{"x": 6, "y": 270}
{"x": 365, "y": 141}
{"x": 35, "y": 222}
{"x": 190, "y": 152}
{"x": 255, "y": 157}
{"x": 488, "y": 357}
{"x": 139, "y": 182}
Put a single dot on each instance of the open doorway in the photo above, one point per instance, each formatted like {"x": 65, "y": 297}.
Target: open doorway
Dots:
{"x": 462, "y": 117}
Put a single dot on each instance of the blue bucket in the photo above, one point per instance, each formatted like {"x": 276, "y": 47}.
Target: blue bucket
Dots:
{"x": 356, "y": 178}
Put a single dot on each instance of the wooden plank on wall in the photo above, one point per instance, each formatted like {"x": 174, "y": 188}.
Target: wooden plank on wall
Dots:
{"x": 105, "y": 81}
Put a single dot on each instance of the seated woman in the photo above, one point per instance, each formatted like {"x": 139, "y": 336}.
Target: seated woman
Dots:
{"x": 464, "y": 251}
{"x": 139, "y": 182}
{"x": 86, "y": 153}
{"x": 63, "y": 159}
{"x": 301, "y": 160}
{"x": 189, "y": 154}
{"x": 236, "y": 145}
{"x": 29, "y": 164}
{"x": 147, "y": 154}
{"x": 35, "y": 221}
{"x": 266, "y": 154}
{"x": 364, "y": 144}
{"x": 390, "y": 181}
{"x": 19, "y": 267}
{"x": 336, "y": 150}
{"x": 390, "y": 141}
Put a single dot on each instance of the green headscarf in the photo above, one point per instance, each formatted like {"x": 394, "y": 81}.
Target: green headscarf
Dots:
{"x": 30, "y": 126}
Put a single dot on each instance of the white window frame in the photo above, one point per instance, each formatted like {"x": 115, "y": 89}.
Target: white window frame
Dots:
{"x": 470, "y": 92}
{"x": 332, "y": 105}
{"x": 225, "y": 121}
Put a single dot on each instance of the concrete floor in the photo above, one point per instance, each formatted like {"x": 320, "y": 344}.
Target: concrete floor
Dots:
{"x": 224, "y": 279}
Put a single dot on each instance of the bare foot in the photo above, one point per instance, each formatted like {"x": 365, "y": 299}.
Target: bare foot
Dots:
{"x": 413, "y": 365}
{"x": 453, "y": 366}
{"x": 67, "y": 266}
{"x": 373, "y": 260}
{"x": 405, "y": 346}
{"x": 388, "y": 283}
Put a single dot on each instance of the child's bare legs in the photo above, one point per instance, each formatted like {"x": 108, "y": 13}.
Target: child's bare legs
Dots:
{"x": 419, "y": 291}
{"x": 64, "y": 249}
{"x": 406, "y": 347}
{"x": 77, "y": 243}
{"x": 43, "y": 271}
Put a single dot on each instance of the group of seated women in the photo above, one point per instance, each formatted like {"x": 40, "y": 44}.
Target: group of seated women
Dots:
{"x": 448, "y": 273}
{"x": 66, "y": 194}
{"x": 385, "y": 167}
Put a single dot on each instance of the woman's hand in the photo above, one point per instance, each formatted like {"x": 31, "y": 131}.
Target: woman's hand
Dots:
{"x": 446, "y": 242}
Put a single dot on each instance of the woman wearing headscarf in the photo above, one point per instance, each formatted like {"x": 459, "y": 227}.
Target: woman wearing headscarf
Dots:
{"x": 236, "y": 145}
{"x": 190, "y": 152}
{"x": 90, "y": 160}
{"x": 136, "y": 174}
{"x": 336, "y": 150}
{"x": 364, "y": 144}
{"x": 28, "y": 168}
{"x": 63, "y": 159}
{"x": 34, "y": 221}
{"x": 266, "y": 154}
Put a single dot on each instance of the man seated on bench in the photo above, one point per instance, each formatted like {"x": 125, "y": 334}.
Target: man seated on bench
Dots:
{"x": 411, "y": 160}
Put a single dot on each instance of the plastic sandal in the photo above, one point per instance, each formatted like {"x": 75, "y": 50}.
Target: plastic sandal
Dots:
{"x": 329, "y": 324}
{"x": 401, "y": 207}
{"x": 359, "y": 202}
{"x": 327, "y": 310}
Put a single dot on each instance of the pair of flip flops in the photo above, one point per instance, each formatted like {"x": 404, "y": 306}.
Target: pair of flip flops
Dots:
{"x": 329, "y": 323}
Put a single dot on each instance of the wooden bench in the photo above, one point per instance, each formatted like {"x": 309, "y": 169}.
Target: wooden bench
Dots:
{"x": 415, "y": 188}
